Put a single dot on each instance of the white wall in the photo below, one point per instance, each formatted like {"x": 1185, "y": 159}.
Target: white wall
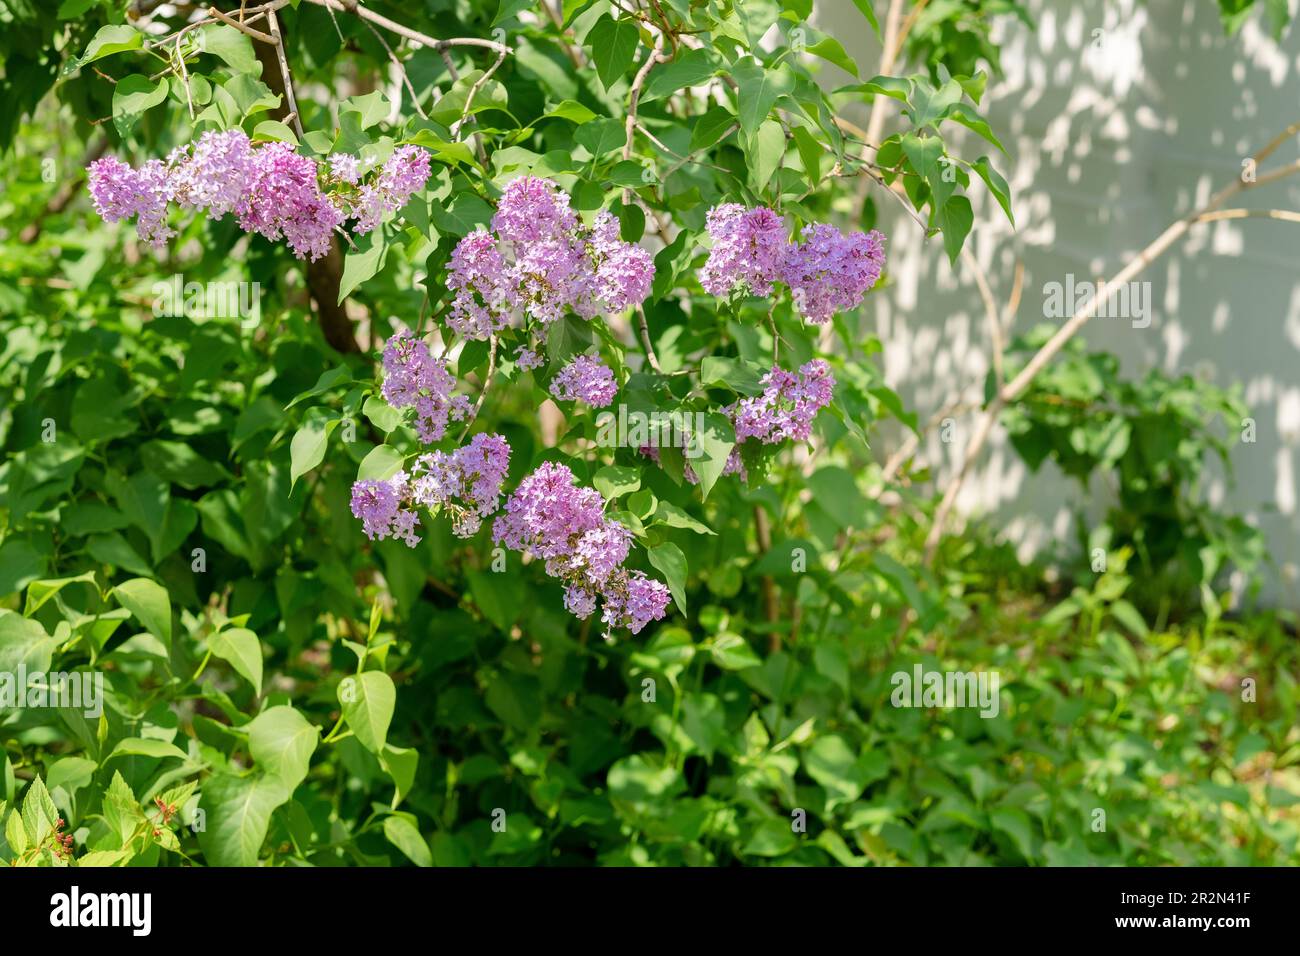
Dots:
{"x": 1109, "y": 142}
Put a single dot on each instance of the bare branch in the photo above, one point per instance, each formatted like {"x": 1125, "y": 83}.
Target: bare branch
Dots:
{"x": 1175, "y": 231}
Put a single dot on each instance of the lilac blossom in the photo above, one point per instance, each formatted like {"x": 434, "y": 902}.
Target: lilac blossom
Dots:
{"x": 483, "y": 300}
{"x": 540, "y": 262}
{"x": 118, "y": 192}
{"x": 527, "y": 359}
{"x": 786, "y": 408}
{"x": 586, "y": 379}
{"x": 829, "y": 272}
{"x": 384, "y": 509}
{"x": 748, "y": 247}
{"x": 269, "y": 188}
{"x": 345, "y": 167}
{"x": 549, "y": 517}
{"x": 466, "y": 482}
{"x": 413, "y": 377}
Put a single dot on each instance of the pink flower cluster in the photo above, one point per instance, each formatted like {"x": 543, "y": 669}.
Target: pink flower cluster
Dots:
{"x": 269, "y": 188}
{"x": 384, "y": 507}
{"x": 827, "y": 272}
{"x": 549, "y": 517}
{"x": 585, "y": 379}
{"x": 539, "y": 261}
{"x": 414, "y": 378}
{"x": 466, "y": 483}
{"x": 786, "y": 408}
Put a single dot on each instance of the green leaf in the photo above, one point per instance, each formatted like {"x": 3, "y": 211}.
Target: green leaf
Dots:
{"x": 1128, "y": 615}
{"x": 832, "y": 764}
{"x": 402, "y": 833}
{"x": 368, "y": 701}
{"x": 509, "y": 8}
{"x": 307, "y": 450}
{"x": 963, "y": 114}
{"x": 929, "y": 105}
{"x": 714, "y": 444}
{"x": 121, "y": 809}
{"x": 380, "y": 414}
{"x": 339, "y": 375}
{"x": 39, "y": 812}
{"x": 251, "y": 95}
{"x": 830, "y": 50}
{"x": 691, "y": 68}
{"x": 675, "y": 517}
{"x": 897, "y": 87}
{"x": 374, "y": 107}
{"x": 996, "y": 184}
{"x": 133, "y": 96}
{"x": 810, "y": 153}
{"x": 232, "y": 46}
{"x": 864, "y": 6}
{"x": 150, "y": 604}
{"x": 772, "y": 837}
{"x": 926, "y": 156}
{"x": 382, "y": 462}
{"x": 240, "y": 648}
{"x": 613, "y": 44}
{"x": 758, "y": 91}
{"x": 400, "y": 763}
{"x": 573, "y": 111}
{"x": 238, "y": 813}
{"x": 465, "y": 214}
{"x": 601, "y": 136}
{"x": 362, "y": 261}
{"x": 613, "y": 481}
{"x": 765, "y": 152}
{"x": 732, "y": 652}
{"x": 274, "y": 130}
{"x": 147, "y": 747}
{"x": 955, "y": 219}
{"x": 668, "y": 558}
{"x": 38, "y": 592}
{"x": 282, "y": 741}
{"x": 109, "y": 40}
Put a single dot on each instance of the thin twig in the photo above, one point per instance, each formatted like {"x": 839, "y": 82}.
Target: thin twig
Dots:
{"x": 244, "y": 27}
{"x": 1175, "y": 231}
{"x": 415, "y": 100}
{"x": 487, "y": 383}
{"x": 990, "y": 311}
{"x": 278, "y": 40}
{"x": 634, "y": 99}
{"x": 644, "y": 329}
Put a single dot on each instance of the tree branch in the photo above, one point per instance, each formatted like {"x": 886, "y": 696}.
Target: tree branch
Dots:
{"x": 1012, "y": 390}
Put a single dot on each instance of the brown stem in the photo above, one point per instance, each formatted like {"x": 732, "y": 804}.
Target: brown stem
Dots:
{"x": 324, "y": 274}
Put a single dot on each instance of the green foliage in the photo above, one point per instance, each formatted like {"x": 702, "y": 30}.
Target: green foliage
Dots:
{"x": 280, "y": 691}
{"x": 1154, "y": 439}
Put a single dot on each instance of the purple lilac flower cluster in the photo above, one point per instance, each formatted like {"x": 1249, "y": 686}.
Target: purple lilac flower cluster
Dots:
{"x": 539, "y": 261}
{"x": 413, "y": 377}
{"x": 269, "y": 188}
{"x": 384, "y": 507}
{"x": 585, "y": 379}
{"x": 786, "y": 408}
{"x": 527, "y": 359}
{"x": 466, "y": 483}
{"x": 552, "y": 519}
{"x": 826, "y": 272}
